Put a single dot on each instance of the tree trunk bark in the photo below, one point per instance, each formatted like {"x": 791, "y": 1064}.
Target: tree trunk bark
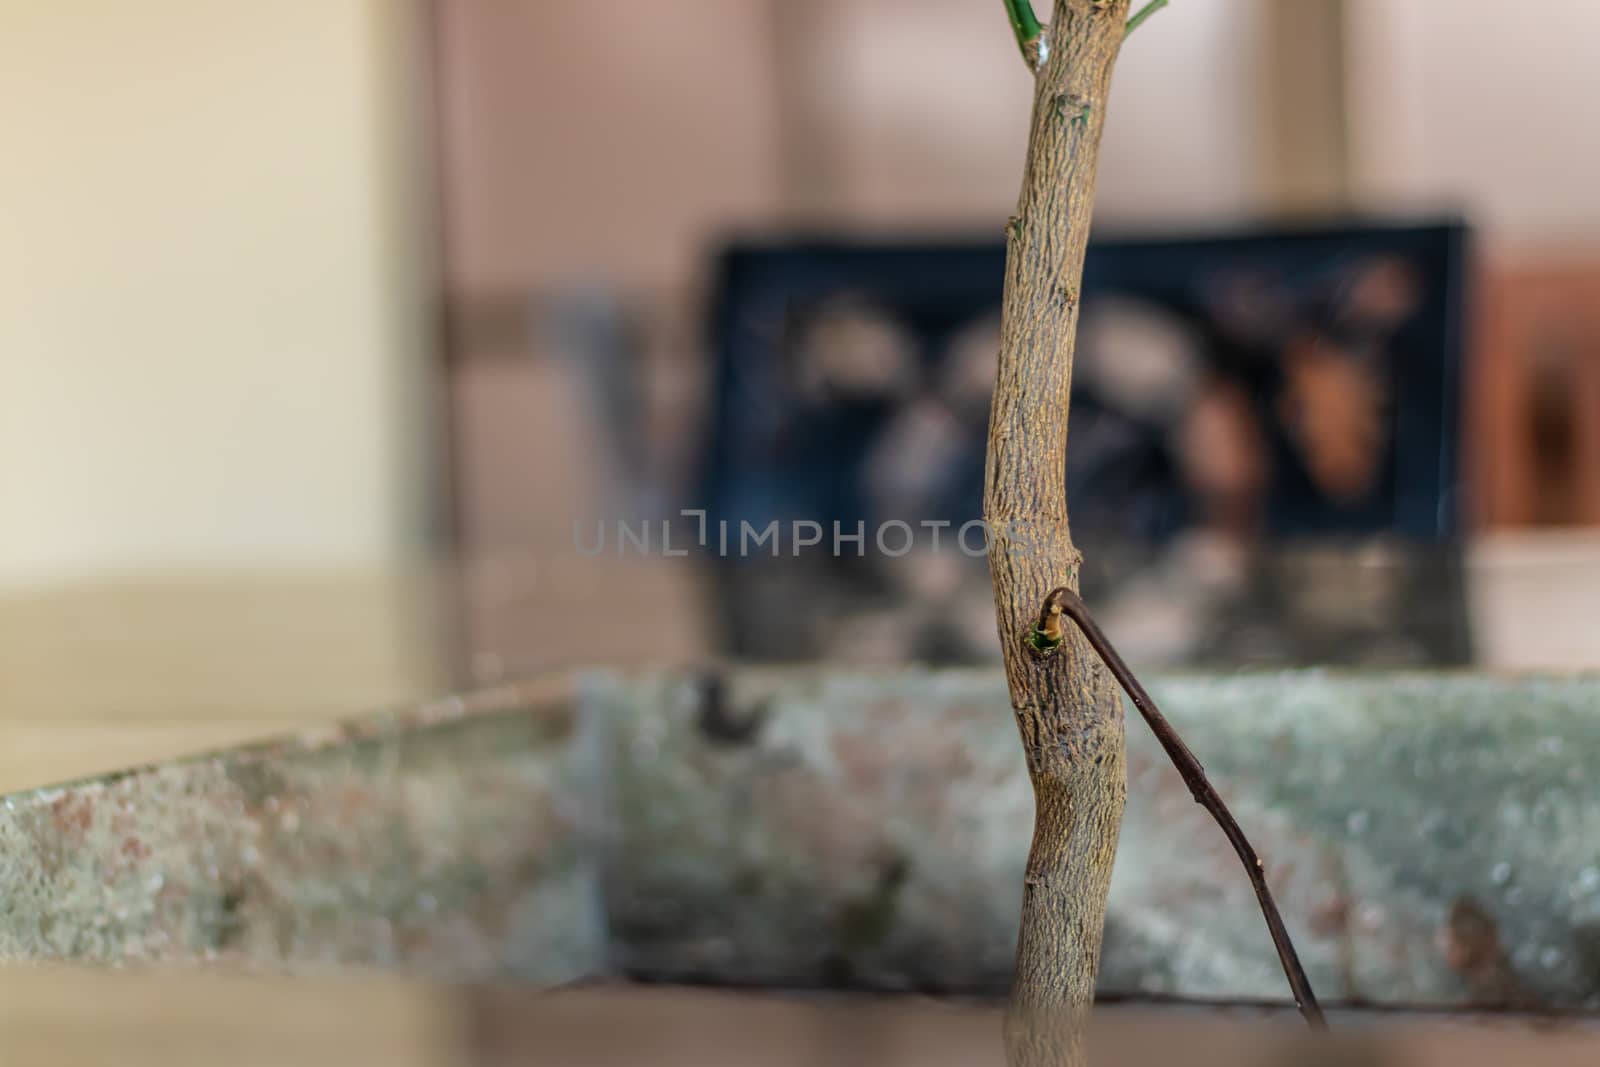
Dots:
{"x": 1068, "y": 711}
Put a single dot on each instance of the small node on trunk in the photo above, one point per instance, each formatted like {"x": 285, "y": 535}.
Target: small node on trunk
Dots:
{"x": 1072, "y": 109}
{"x": 1036, "y": 52}
{"x": 1041, "y": 645}
{"x": 1045, "y": 638}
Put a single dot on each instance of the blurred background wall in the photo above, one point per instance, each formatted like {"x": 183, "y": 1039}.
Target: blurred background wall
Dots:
{"x": 875, "y": 116}
{"x": 618, "y": 149}
{"x": 579, "y": 154}
{"x": 1449, "y": 102}
{"x": 212, "y": 292}
{"x": 229, "y": 228}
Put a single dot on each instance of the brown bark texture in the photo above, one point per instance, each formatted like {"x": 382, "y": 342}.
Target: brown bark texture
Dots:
{"x": 1068, "y": 710}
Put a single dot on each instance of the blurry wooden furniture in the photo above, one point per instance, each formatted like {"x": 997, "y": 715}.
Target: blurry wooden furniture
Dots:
{"x": 1533, "y": 428}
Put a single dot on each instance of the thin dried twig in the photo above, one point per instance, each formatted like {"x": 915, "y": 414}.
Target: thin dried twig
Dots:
{"x": 1044, "y": 640}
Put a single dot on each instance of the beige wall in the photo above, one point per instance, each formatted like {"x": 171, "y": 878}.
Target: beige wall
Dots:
{"x": 209, "y": 353}
{"x": 1483, "y": 106}
{"x": 908, "y": 112}
{"x": 618, "y": 151}
{"x": 586, "y": 145}
{"x": 581, "y": 148}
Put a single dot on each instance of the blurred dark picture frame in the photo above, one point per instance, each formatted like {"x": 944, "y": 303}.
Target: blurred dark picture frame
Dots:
{"x": 1276, "y": 315}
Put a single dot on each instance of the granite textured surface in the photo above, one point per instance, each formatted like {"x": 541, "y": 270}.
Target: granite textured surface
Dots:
{"x": 1434, "y": 839}
{"x": 449, "y": 841}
